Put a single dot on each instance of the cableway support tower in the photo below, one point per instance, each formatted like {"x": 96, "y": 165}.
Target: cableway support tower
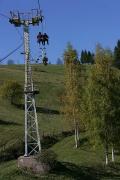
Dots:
{"x": 32, "y": 137}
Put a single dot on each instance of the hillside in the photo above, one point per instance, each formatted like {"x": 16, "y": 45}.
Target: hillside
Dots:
{"x": 83, "y": 163}
{"x": 50, "y": 82}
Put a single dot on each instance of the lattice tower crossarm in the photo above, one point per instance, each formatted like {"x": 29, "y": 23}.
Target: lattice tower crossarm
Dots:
{"x": 32, "y": 138}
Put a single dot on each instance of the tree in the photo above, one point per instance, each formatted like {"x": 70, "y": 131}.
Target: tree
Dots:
{"x": 87, "y": 57}
{"x": 117, "y": 55}
{"x": 12, "y": 91}
{"x": 101, "y": 112}
{"x": 82, "y": 57}
{"x": 71, "y": 98}
{"x": 10, "y": 62}
{"x": 59, "y": 61}
{"x": 115, "y": 110}
{"x": 90, "y": 57}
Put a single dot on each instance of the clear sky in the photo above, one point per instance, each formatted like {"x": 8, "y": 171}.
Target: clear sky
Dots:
{"x": 84, "y": 23}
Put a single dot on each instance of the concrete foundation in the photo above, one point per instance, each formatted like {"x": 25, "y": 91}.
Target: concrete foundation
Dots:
{"x": 30, "y": 164}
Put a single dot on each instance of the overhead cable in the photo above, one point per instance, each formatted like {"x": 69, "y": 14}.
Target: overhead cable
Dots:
{"x": 13, "y": 51}
{"x": 3, "y": 15}
{"x": 39, "y": 4}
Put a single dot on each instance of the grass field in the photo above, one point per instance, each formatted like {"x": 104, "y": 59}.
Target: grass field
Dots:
{"x": 82, "y": 163}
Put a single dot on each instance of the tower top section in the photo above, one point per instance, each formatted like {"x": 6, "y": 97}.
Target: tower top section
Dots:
{"x": 34, "y": 17}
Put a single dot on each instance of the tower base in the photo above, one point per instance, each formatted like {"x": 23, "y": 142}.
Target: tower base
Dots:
{"x": 31, "y": 164}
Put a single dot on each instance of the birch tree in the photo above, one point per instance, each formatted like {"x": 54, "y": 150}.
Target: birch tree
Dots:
{"x": 102, "y": 113}
{"x": 115, "y": 111}
{"x": 72, "y": 99}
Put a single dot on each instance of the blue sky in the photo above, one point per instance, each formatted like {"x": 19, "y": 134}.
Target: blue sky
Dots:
{"x": 84, "y": 23}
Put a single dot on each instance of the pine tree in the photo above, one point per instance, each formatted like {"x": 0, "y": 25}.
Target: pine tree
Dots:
{"x": 87, "y": 57}
{"x": 117, "y": 54}
{"x": 90, "y": 57}
{"x": 82, "y": 57}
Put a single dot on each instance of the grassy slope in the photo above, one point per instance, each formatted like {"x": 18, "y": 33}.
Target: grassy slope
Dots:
{"x": 84, "y": 162}
{"x": 49, "y": 80}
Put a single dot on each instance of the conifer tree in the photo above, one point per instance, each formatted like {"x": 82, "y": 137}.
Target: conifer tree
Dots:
{"x": 117, "y": 55}
{"x": 82, "y": 57}
{"x": 87, "y": 57}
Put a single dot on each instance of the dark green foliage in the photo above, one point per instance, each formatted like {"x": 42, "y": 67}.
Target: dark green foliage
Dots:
{"x": 13, "y": 151}
{"x": 87, "y": 57}
{"x": 12, "y": 91}
{"x": 48, "y": 141}
{"x": 117, "y": 55}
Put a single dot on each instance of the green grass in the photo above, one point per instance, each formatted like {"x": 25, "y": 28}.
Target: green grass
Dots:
{"x": 82, "y": 163}
{"x": 49, "y": 81}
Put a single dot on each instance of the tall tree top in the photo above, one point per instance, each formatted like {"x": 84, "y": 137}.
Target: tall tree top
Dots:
{"x": 103, "y": 56}
{"x": 70, "y": 54}
{"x": 118, "y": 44}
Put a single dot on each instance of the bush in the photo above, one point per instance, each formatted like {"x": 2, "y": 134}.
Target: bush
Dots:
{"x": 12, "y": 91}
{"x": 48, "y": 140}
{"x": 12, "y": 151}
{"x": 47, "y": 157}
{"x": 16, "y": 149}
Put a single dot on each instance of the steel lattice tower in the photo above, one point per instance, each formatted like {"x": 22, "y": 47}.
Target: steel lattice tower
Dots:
{"x": 32, "y": 137}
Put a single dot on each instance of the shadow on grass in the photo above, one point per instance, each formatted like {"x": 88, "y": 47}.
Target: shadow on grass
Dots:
{"x": 48, "y": 141}
{"x": 39, "y": 109}
{"x": 37, "y": 69}
{"x": 2, "y": 122}
{"x": 87, "y": 173}
{"x": 83, "y": 141}
{"x": 47, "y": 111}
{"x": 76, "y": 172}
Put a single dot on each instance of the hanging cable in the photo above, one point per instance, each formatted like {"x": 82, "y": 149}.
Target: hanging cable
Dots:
{"x": 13, "y": 51}
{"x": 3, "y": 15}
{"x": 39, "y": 5}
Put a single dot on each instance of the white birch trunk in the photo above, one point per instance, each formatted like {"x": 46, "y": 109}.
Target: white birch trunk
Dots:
{"x": 106, "y": 155}
{"x": 106, "y": 159}
{"x": 78, "y": 138}
{"x": 113, "y": 155}
{"x": 76, "y": 142}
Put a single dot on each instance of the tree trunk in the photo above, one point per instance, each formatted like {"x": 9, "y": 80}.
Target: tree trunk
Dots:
{"x": 76, "y": 136}
{"x": 113, "y": 155}
{"x": 106, "y": 160}
{"x": 106, "y": 155}
{"x": 76, "y": 141}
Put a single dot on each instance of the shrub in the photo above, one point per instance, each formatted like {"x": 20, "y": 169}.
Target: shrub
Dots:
{"x": 47, "y": 157}
{"x": 12, "y": 91}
